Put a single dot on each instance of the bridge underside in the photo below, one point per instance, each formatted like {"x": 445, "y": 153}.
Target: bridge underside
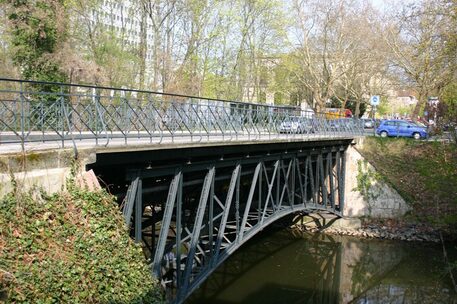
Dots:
{"x": 192, "y": 208}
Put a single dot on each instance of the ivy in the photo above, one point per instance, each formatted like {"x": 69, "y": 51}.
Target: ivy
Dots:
{"x": 366, "y": 179}
{"x": 70, "y": 247}
{"x": 36, "y": 29}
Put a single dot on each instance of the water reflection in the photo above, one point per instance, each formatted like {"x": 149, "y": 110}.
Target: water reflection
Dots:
{"x": 284, "y": 268}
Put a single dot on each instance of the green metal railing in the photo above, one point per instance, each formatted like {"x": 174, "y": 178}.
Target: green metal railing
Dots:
{"x": 33, "y": 111}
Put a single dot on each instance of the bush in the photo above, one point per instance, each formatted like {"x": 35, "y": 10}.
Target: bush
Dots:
{"x": 70, "y": 247}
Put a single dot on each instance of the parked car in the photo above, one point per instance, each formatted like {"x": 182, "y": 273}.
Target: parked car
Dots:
{"x": 342, "y": 124}
{"x": 297, "y": 124}
{"x": 401, "y": 128}
{"x": 368, "y": 123}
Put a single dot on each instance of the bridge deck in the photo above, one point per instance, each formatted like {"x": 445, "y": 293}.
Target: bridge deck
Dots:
{"x": 164, "y": 142}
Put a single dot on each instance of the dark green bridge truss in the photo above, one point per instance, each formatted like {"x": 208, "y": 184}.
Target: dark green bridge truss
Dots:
{"x": 192, "y": 213}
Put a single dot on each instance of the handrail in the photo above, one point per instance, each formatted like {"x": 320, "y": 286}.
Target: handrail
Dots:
{"x": 135, "y": 91}
{"x": 28, "y": 116}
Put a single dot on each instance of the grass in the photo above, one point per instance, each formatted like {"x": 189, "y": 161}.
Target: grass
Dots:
{"x": 424, "y": 174}
{"x": 70, "y": 247}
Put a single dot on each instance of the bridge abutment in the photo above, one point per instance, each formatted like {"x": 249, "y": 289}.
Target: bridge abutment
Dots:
{"x": 369, "y": 195}
{"x": 45, "y": 170}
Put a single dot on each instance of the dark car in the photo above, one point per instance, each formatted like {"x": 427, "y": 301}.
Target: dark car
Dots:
{"x": 401, "y": 128}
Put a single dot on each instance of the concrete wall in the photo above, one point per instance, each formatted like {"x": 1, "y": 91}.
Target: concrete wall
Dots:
{"x": 47, "y": 170}
{"x": 366, "y": 194}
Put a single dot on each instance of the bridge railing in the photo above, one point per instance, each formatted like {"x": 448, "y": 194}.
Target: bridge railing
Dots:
{"x": 34, "y": 112}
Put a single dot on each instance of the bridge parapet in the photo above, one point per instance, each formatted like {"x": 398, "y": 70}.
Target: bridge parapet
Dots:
{"x": 38, "y": 115}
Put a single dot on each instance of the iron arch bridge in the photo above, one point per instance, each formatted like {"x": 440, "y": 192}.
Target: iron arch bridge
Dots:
{"x": 192, "y": 208}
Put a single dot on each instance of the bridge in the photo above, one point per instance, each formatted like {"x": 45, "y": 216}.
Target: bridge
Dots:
{"x": 196, "y": 178}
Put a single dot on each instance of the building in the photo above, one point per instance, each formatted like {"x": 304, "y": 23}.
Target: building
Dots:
{"x": 132, "y": 28}
{"x": 401, "y": 102}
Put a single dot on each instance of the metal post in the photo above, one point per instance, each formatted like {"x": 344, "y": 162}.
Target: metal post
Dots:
{"x": 178, "y": 232}
{"x": 311, "y": 179}
{"x": 292, "y": 186}
{"x": 248, "y": 203}
{"x": 96, "y": 116}
{"x": 139, "y": 212}
{"x": 167, "y": 215}
{"x": 22, "y": 117}
{"x": 338, "y": 176}
{"x": 226, "y": 212}
{"x": 259, "y": 203}
{"x": 237, "y": 203}
{"x": 130, "y": 201}
{"x": 322, "y": 180}
{"x": 211, "y": 219}
{"x": 196, "y": 231}
{"x": 330, "y": 176}
{"x": 300, "y": 182}
{"x": 342, "y": 181}
{"x": 62, "y": 115}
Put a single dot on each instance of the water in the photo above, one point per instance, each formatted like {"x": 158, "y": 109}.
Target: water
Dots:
{"x": 279, "y": 267}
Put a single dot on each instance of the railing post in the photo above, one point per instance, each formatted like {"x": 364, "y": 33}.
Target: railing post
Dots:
{"x": 22, "y": 117}
{"x": 96, "y": 115}
{"x": 62, "y": 116}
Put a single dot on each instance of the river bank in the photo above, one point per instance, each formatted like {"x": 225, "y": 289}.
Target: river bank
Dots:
{"x": 382, "y": 230}
{"x": 425, "y": 176}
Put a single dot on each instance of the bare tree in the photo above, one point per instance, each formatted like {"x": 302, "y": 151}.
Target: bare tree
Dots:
{"x": 414, "y": 37}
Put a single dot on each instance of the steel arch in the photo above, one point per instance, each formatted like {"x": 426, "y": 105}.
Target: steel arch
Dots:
{"x": 202, "y": 212}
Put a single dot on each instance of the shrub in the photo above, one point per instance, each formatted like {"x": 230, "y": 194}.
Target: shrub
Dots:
{"x": 70, "y": 247}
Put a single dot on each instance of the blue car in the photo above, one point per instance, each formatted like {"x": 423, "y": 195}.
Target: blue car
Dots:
{"x": 401, "y": 128}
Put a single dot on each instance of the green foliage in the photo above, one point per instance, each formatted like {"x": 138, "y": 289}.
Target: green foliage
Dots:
{"x": 119, "y": 62}
{"x": 449, "y": 102}
{"x": 36, "y": 30}
{"x": 71, "y": 247}
{"x": 366, "y": 181}
{"x": 383, "y": 107}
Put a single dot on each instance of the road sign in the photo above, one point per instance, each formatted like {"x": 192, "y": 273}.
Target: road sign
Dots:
{"x": 374, "y": 100}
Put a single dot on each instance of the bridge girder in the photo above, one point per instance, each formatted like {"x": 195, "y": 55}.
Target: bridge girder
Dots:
{"x": 193, "y": 216}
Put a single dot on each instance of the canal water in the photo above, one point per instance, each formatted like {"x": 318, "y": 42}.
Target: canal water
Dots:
{"x": 291, "y": 268}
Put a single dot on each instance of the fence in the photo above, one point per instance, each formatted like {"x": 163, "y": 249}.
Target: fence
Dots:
{"x": 48, "y": 112}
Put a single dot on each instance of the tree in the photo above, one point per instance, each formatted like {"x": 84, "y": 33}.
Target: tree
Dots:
{"x": 7, "y": 67}
{"x": 37, "y": 30}
{"x": 331, "y": 48}
{"x": 415, "y": 37}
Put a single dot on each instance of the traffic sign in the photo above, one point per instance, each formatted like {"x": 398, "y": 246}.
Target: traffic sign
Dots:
{"x": 374, "y": 100}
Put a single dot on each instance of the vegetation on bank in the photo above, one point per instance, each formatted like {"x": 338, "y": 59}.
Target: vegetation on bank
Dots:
{"x": 70, "y": 247}
{"x": 424, "y": 173}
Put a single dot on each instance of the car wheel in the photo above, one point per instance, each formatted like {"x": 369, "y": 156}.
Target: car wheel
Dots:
{"x": 416, "y": 136}
{"x": 383, "y": 134}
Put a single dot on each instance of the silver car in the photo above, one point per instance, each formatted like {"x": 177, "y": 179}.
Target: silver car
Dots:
{"x": 296, "y": 124}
